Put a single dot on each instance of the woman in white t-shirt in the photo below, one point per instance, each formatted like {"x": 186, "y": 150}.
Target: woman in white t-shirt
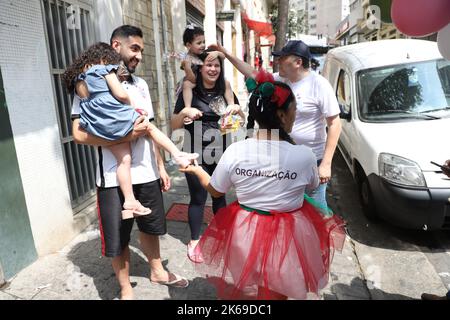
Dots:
{"x": 269, "y": 244}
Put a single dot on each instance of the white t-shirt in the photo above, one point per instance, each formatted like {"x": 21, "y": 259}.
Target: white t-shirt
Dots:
{"x": 267, "y": 174}
{"x": 316, "y": 101}
{"x": 143, "y": 162}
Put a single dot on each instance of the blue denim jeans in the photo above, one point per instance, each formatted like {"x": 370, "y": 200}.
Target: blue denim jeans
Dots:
{"x": 319, "y": 195}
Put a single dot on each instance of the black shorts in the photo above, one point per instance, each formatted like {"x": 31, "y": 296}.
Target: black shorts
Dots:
{"x": 115, "y": 232}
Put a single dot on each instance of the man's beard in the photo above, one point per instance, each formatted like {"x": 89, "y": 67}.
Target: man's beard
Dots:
{"x": 132, "y": 70}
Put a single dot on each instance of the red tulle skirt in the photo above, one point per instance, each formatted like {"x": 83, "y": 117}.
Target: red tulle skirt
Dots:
{"x": 248, "y": 255}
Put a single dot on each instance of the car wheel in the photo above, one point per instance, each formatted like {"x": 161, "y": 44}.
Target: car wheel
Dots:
{"x": 366, "y": 197}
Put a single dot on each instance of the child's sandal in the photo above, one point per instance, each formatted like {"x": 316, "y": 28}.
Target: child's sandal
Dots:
{"x": 135, "y": 209}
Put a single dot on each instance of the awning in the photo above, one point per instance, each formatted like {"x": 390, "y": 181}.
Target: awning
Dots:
{"x": 261, "y": 28}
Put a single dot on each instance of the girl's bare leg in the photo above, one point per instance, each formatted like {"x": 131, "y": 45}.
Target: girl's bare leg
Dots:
{"x": 187, "y": 93}
{"x": 122, "y": 153}
{"x": 181, "y": 158}
{"x": 187, "y": 97}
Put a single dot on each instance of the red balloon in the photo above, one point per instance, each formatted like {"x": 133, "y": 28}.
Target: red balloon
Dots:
{"x": 420, "y": 17}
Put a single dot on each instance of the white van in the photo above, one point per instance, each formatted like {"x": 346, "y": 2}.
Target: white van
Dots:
{"x": 395, "y": 111}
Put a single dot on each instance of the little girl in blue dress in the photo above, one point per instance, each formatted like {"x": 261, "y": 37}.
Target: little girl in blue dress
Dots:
{"x": 108, "y": 112}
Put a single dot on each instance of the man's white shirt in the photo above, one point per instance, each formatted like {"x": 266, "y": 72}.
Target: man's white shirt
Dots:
{"x": 143, "y": 162}
{"x": 316, "y": 101}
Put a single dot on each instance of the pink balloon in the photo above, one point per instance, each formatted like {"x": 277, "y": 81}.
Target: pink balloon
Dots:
{"x": 443, "y": 41}
{"x": 420, "y": 17}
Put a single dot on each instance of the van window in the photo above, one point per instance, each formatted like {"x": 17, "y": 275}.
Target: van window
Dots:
{"x": 343, "y": 91}
{"x": 416, "y": 91}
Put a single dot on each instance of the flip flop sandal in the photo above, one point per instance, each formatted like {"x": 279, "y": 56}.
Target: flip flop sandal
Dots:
{"x": 178, "y": 282}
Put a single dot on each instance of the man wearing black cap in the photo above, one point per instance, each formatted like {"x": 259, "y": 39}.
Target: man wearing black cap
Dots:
{"x": 317, "y": 106}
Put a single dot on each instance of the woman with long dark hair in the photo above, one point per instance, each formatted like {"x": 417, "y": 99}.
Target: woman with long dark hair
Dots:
{"x": 203, "y": 135}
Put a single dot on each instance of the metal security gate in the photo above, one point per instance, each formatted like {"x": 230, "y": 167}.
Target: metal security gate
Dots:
{"x": 69, "y": 30}
{"x": 193, "y": 15}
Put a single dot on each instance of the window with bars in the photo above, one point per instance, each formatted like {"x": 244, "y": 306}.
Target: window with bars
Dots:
{"x": 69, "y": 31}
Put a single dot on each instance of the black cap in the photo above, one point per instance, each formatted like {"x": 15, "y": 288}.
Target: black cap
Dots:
{"x": 296, "y": 48}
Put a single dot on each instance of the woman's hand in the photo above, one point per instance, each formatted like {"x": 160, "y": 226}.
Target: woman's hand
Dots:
{"x": 230, "y": 122}
{"x": 233, "y": 109}
{"x": 192, "y": 113}
{"x": 184, "y": 159}
{"x": 213, "y": 55}
{"x": 189, "y": 113}
{"x": 216, "y": 47}
{"x": 192, "y": 169}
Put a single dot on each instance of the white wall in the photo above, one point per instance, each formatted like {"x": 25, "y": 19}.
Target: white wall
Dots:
{"x": 239, "y": 77}
{"x": 228, "y": 43}
{"x": 329, "y": 16}
{"x": 108, "y": 16}
{"x": 209, "y": 23}
{"x": 28, "y": 88}
{"x": 313, "y": 16}
{"x": 178, "y": 26}
{"x": 356, "y": 14}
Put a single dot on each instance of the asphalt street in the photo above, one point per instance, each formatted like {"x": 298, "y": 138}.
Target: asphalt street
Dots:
{"x": 396, "y": 263}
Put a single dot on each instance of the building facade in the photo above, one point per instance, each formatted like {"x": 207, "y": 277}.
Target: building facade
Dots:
{"x": 48, "y": 186}
{"x": 329, "y": 16}
{"x": 321, "y": 17}
{"x": 48, "y": 192}
{"x": 309, "y": 8}
{"x": 362, "y": 25}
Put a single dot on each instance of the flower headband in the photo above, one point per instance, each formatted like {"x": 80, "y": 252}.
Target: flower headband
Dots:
{"x": 267, "y": 88}
{"x": 190, "y": 26}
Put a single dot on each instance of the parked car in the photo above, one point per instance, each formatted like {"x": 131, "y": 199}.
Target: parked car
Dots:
{"x": 395, "y": 111}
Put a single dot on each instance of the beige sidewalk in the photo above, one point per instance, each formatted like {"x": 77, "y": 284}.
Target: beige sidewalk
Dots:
{"x": 80, "y": 272}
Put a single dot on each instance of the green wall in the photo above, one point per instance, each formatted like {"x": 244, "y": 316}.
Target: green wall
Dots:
{"x": 17, "y": 248}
